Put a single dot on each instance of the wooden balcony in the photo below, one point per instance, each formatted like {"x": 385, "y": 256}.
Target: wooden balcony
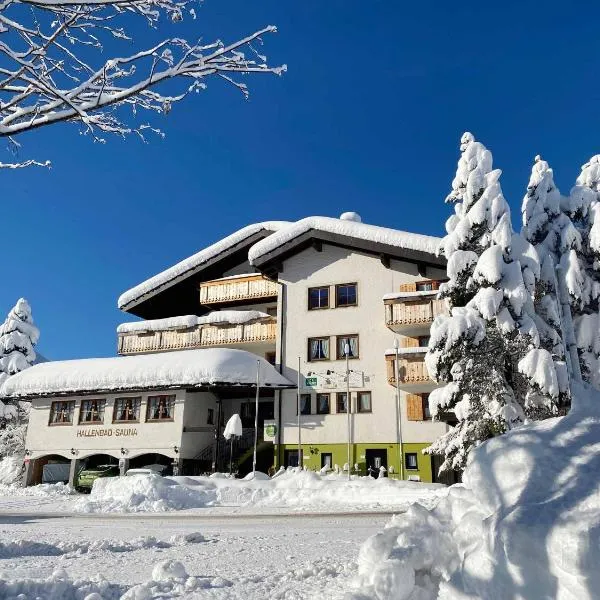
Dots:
{"x": 412, "y": 372}
{"x": 238, "y": 289}
{"x": 410, "y": 311}
{"x": 259, "y": 333}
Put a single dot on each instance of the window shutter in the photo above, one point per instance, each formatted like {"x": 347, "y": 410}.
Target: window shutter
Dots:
{"x": 408, "y": 287}
{"x": 414, "y": 407}
{"x": 409, "y": 342}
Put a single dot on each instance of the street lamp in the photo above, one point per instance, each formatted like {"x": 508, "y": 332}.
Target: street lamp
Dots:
{"x": 398, "y": 408}
{"x": 347, "y": 352}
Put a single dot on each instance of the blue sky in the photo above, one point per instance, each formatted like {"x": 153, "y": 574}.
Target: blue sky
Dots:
{"x": 368, "y": 118}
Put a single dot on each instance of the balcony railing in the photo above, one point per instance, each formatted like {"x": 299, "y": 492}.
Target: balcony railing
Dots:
{"x": 407, "y": 313}
{"x": 199, "y": 336}
{"x": 412, "y": 371}
{"x": 235, "y": 289}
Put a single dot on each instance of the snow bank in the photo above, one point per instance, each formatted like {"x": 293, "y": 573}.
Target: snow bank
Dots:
{"x": 194, "y": 263}
{"x": 346, "y": 228}
{"x": 525, "y": 523}
{"x": 11, "y": 470}
{"x": 293, "y": 489}
{"x": 184, "y": 368}
{"x": 233, "y": 317}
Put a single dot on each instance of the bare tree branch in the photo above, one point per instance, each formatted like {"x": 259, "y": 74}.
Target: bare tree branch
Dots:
{"x": 52, "y": 67}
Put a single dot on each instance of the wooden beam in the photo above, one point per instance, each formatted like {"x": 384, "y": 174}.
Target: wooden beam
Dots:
{"x": 317, "y": 244}
{"x": 385, "y": 260}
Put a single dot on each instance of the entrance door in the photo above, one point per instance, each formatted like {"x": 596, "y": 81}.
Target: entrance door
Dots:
{"x": 376, "y": 459}
{"x": 290, "y": 458}
{"x": 326, "y": 459}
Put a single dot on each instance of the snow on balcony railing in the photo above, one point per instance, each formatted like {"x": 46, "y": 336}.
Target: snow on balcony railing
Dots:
{"x": 199, "y": 336}
{"x": 239, "y": 287}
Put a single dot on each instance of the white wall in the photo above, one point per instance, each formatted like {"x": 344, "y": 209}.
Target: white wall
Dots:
{"x": 140, "y": 437}
{"x": 331, "y": 266}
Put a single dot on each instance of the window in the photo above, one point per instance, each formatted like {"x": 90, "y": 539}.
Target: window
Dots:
{"x": 61, "y": 413}
{"x": 410, "y": 460}
{"x": 92, "y": 411}
{"x": 342, "y": 405}
{"x": 426, "y": 412}
{"x": 210, "y": 419}
{"x": 364, "y": 402}
{"x": 127, "y": 409}
{"x": 304, "y": 404}
{"x": 318, "y": 298}
{"x": 323, "y": 404}
{"x": 318, "y": 348}
{"x": 160, "y": 408}
{"x": 423, "y": 341}
{"x": 326, "y": 460}
{"x": 290, "y": 458}
{"x": 351, "y": 341}
{"x": 424, "y": 286}
{"x": 345, "y": 294}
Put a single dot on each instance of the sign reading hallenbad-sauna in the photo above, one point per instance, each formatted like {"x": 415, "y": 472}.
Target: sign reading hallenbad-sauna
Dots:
{"x": 108, "y": 432}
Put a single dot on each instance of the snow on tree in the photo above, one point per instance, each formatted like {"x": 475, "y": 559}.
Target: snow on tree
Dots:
{"x": 582, "y": 268}
{"x": 18, "y": 335}
{"x": 487, "y": 352}
{"x": 551, "y": 231}
{"x": 62, "y": 62}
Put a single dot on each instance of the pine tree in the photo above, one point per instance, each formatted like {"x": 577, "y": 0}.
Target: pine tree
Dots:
{"x": 18, "y": 335}
{"x": 582, "y": 268}
{"x": 487, "y": 351}
{"x": 551, "y": 231}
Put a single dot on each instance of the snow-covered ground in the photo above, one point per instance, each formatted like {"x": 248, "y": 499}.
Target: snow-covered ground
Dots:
{"x": 250, "y": 558}
{"x": 198, "y": 537}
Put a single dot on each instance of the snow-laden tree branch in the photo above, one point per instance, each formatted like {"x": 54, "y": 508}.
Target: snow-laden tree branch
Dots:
{"x": 53, "y": 68}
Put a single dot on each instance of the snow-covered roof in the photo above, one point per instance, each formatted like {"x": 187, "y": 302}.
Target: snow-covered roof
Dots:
{"x": 184, "y": 368}
{"x": 411, "y": 295}
{"x": 348, "y": 228}
{"x": 233, "y": 317}
{"x": 193, "y": 263}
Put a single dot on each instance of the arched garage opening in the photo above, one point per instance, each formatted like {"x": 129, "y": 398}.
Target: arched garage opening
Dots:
{"x": 161, "y": 464}
{"x": 52, "y": 468}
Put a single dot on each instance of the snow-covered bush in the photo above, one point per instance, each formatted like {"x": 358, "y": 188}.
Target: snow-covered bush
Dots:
{"x": 487, "y": 352}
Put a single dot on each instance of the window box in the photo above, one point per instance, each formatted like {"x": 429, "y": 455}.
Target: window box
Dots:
{"x": 160, "y": 408}
{"x": 318, "y": 298}
{"x": 318, "y": 349}
{"x": 127, "y": 410}
{"x": 91, "y": 412}
{"x": 341, "y": 341}
{"x": 346, "y": 295}
{"x": 61, "y": 413}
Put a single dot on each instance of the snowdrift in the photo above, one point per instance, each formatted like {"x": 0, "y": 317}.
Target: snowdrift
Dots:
{"x": 525, "y": 523}
{"x": 293, "y": 489}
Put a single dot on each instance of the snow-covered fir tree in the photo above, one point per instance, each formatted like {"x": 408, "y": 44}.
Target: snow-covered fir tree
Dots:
{"x": 18, "y": 335}
{"x": 487, "y": 352}
{"x": 551, "y": 231}
{"x": 582, "y": 268}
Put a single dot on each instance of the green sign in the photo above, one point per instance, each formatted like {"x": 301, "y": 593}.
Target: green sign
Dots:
{"x": 271, "y": 430}
{"x": 310, "y": 382}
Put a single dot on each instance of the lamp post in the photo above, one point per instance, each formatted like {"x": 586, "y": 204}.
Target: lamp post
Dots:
{"x": 256, "y": 416}
{"x": 347, "y": 352}
{"x": 399, "y": 408}
{"x": 300, "y": 464}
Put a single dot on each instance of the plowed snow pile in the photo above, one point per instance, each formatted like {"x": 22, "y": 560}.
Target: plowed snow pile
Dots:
{"x": 524, "y": 525}
{"x": 292, "y": 489}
